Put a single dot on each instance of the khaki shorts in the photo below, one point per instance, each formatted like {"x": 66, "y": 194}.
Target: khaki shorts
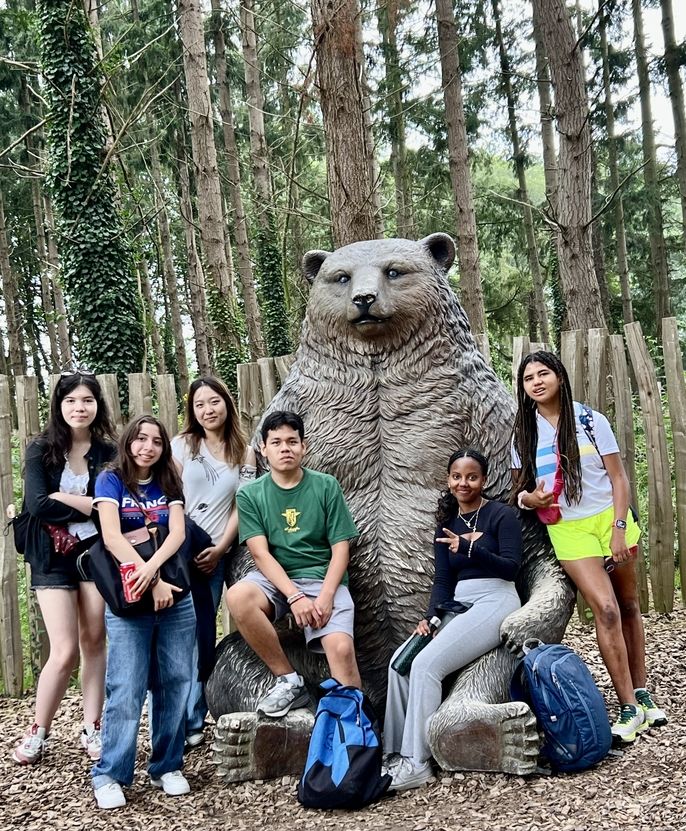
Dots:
{"x": 575, "y": 539}
{"x": 342, "y": 617}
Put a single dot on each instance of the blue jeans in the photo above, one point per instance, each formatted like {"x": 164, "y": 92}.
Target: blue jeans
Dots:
{"x": 196, "y": 709}
{"x": 153, "y": 649}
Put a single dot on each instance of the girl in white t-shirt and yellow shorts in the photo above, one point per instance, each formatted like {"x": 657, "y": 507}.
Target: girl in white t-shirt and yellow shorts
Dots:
{"x": 566, "y": 465}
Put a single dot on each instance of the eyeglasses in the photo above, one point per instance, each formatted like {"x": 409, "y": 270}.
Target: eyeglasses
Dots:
{"x": 77, "y": 370}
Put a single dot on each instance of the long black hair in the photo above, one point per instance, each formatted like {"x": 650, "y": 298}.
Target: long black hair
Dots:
{"x": 234, "y": 440}
{"x": 164, "y": 470}
{"x": 525, "y": 433}
{"x": 57, "y": 432}
{"x": 447, "y": 506}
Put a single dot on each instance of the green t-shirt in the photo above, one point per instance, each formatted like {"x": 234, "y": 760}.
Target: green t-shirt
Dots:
{"x": 300, "y": 524}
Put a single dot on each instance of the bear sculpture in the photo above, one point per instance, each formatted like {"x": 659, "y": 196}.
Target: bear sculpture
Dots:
{"x": 389, "y": 381}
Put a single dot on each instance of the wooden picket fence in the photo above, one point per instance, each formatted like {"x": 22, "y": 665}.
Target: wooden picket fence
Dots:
{"x": 599, "y": 373}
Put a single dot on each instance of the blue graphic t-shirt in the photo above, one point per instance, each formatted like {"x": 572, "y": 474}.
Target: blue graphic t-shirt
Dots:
{"x": 110, "y": 488}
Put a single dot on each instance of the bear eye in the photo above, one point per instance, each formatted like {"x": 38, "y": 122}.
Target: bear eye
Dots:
{"x": 392, "y": 273}
{"x": 343, "y": 278}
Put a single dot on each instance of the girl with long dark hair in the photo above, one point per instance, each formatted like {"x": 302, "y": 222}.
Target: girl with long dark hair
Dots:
{"x": 566, "y": 456}
{"x": 149, "y": 649}
{"x": 478, "y": 551}
{"x": 60, "y": 469}
{"x": 212, "y": 458}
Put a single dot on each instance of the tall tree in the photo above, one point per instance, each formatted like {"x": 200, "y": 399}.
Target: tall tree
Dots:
{"x": 656, "y": 236}
{"x": 518, "y": 155}
{"x": 17, "y": 357}
{"x": 547, "y": 116}
{"x": 97, "y": 266}
{"x": 573, "y": 216}
{"x": 674, "y": 59}
{"x": 348, "y": 165}
{"x": 471, "y": 291}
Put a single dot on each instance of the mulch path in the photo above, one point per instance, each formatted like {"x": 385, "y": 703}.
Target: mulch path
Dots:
{"x": 641, "y": 789}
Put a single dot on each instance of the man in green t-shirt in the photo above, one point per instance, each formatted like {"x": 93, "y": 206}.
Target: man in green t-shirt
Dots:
{"x": 297, "y": 528}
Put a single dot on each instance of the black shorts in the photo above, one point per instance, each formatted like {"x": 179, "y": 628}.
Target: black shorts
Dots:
{"x": 65, "y": 573}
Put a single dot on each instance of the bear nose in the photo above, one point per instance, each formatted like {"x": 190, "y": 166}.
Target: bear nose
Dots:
{"x": 364, "y": 301}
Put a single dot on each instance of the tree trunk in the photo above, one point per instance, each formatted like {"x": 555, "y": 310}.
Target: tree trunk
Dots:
{"x": 150, "y": 322}
{"x": 577, "y": 276}
{"x": 12, "y": 305}
{"x": 54, "y": 261}
{"x": 253, "y": 315}
{"x": 195, "y": 275}
{"x": 388, "y": 22}
{"x": 168, "y": 270}
{"x": 673, "y": 61}
{"x": 658, "y": 252}
{"x": 541, "y": 311}
{"x": 622, "y": 264}
{"x": 210, "y": 210}
{"x": 348, "y": 166}
{"x": 547, "y": 118}
{"x": 471, "y": 292}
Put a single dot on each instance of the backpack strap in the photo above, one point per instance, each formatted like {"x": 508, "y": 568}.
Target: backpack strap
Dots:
{"x": 586, "y": 419}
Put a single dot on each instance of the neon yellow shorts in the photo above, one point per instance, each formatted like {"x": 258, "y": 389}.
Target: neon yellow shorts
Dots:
{"x": 574, "y": 539}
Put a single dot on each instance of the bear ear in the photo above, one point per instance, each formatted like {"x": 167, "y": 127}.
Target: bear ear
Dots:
{"x": 442, "y": 249}
{"x": 312, "y": 262}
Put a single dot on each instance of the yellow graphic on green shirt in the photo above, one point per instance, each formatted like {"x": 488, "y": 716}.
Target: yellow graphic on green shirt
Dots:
{"x": 291, "y": 516}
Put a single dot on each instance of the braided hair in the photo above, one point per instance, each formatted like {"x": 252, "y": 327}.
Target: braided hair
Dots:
{"x": 447, "y": 506}
{"x": 525, "y": 434}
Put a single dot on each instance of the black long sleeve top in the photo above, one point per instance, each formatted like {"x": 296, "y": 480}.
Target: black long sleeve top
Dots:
{"x": 42, "y": 479}
{"x": 498, "y": 553}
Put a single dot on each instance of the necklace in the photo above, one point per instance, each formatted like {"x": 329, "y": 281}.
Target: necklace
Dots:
{"x": 471, "y": 525}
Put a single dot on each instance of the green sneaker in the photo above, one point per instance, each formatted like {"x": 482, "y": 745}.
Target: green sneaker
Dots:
{"x": 655, "y": 716}
{"x": 631, "y": 722}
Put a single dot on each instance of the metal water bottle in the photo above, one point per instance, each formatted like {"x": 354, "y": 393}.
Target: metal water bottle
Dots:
{"x": 413, "y": 647}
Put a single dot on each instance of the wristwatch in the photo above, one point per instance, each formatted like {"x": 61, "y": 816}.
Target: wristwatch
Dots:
{"x": 620, "y": 523}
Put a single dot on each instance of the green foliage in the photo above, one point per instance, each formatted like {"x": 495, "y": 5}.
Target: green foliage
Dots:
{"x": 96, "y": 258}
{"x": 271, "y": 293}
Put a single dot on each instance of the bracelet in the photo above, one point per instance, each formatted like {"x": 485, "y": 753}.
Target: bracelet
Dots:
{"x": 156, "y": 579}
{"x": 520, "y": 504}
{"x": 297, "y": 596}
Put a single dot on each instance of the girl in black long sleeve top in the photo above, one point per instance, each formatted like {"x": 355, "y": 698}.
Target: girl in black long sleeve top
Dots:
{"x": 61, "y": 466}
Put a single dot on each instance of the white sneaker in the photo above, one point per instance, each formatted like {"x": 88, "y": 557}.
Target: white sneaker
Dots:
{"x": 655, "y": 716}
{"x": 195, "y": 738}
{"x": 90, "y": 740}
{"x": 407, "y": 775}
{"x": 173, "y": 783}
{"x": 31, "y": 747}
{"x": 110, "y": 796}
{"x": 631, "y": 722}
{"x": 282, "y": 697}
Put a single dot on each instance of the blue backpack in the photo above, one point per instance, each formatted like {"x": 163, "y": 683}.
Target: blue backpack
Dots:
{"x": 343, "y": 768}
{"x": 570, "y": 710}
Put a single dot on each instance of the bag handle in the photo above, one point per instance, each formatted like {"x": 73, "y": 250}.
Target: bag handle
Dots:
{"x": 530, "y": 644}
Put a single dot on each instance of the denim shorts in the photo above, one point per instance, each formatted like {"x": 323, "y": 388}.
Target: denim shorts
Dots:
{"x": 66, "y": 573}
{"x": 342, "y": 617}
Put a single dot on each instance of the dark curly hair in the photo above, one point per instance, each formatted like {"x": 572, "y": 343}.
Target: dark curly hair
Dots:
{"x": 163, "y": 471}
{"x": 447, "y": 506}
{"x": 525, "y": 433}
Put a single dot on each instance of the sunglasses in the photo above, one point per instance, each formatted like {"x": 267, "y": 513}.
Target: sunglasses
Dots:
{"x": 80, "y": 370}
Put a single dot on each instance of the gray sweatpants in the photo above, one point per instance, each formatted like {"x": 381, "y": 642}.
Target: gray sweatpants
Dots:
{"x": 413, "y": 700}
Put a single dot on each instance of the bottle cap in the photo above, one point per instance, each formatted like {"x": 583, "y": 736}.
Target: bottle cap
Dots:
{"x": 435, "y": 622}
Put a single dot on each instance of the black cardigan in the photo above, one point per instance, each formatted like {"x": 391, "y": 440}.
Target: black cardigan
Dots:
{"x": 42, "y": 479}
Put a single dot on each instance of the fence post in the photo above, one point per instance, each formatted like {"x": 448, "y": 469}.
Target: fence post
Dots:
{"x": 249, "y": 396}
{"x": 267, "y": 379}
{"x": 140, "y": 395}
{"x": 676, "y": 396}
{"x": 167, "y": 405}
{"x": 597, "y": 369}
{"x": 572, "y": 356}
{"x": 283, "y": 364}
{"x": 10, "y": 622}
{"x": 624, "y": 425}
{"x": 110, "y": 392}
{"x": 520, "y": 348}
{"x": 661, "y": 515}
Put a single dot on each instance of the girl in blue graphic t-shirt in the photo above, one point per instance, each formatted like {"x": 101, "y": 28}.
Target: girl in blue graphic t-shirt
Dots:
{"x": 150, "y": 650}
{"x": 565, "y": 458}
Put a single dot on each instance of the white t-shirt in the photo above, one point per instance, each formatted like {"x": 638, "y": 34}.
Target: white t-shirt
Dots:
{"x": 595, "y": 482}
{"x": 209, "y": 486}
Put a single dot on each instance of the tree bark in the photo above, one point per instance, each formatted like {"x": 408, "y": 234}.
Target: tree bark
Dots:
{"x": 673, "y": 61}
{"x": 12, "y": 305}
{"x": 658, "y": 251}
{"x": 149, "y": 317}
{"x": 577, "y": 275}
{"x": 168, "y": 270}
{"x": 63, "y": 334}
{"x": 540, "y": 308}
{"x": 240, "y": 223}
{"x": 622, "y": 264}
{"x": 388, "y": 21}
{"x": 350, "y": 185}
{"x": 471, "y": 292}
{"x": 547, "y": 117}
